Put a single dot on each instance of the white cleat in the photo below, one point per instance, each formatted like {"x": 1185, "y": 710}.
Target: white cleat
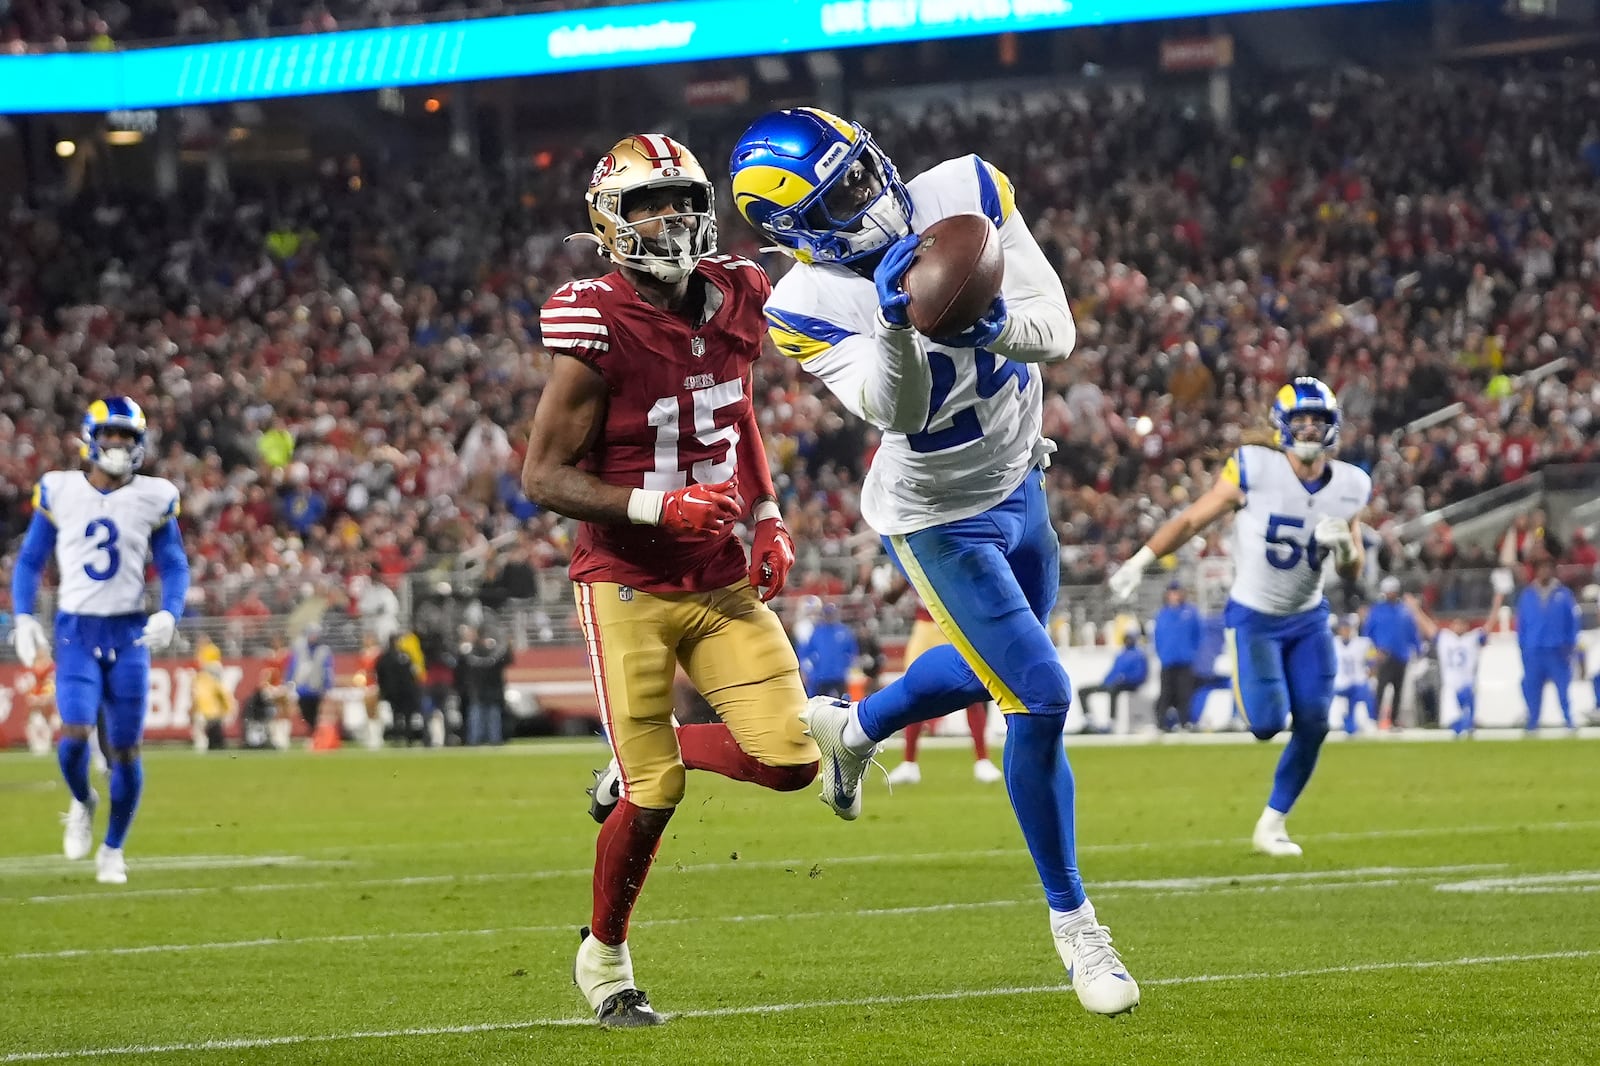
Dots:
{"x": 605, "y": 792}
{"x": 907, "y": 773}
{"x": 842, "y": 769}
{"x": 110, "y": 868}
{"x": 1095, "y": 970}
{"x": 1272, "y": 837}
{"x": 604, "y": 974}
{"x": 79, "y": 836}
{"x": 986, "y": 772}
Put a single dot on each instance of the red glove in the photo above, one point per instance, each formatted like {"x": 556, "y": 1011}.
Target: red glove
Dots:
{"x": 771, "y": 556}
{"x": 700, "y": 509}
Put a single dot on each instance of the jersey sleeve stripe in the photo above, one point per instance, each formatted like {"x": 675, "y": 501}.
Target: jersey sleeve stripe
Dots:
{"x": 41, "y": 502}
{"x": 802, "y": 337}
{"x": 576, "y": 343}
{"x": 575, "y": 329}
{"x": 995, "y": 194}
{"x": 570, "y": 312}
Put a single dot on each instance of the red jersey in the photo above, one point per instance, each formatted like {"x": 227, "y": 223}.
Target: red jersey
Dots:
{"x": 676, "y": 396}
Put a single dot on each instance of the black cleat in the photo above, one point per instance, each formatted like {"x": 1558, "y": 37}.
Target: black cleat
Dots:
{"x": 604, "y": 793}
{"x": 629, "y": 1009}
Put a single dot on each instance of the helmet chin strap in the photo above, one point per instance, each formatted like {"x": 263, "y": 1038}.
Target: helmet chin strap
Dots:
{"x": 1307, "y": 450}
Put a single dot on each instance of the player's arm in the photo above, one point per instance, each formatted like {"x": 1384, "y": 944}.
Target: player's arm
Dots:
{"x": 1429, "y": 628}
{"x": 772, "y": 549}
{"x": 1225, "y": 497}
{"x": 565, "y": 427}
{"x": 883, "y": 379}
{"x": 1039, "y": 326}
{"x": 172, "y": 564}
{"x": 37, "y": 546}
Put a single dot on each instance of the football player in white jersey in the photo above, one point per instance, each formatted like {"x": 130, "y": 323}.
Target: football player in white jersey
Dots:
{"x": 957, "y": 486}
{"x": 1293, "y": 504}
{"x": 1459, "y": 647}
{"x": 104, "y": 525}
{"x": 1353, "y": 680}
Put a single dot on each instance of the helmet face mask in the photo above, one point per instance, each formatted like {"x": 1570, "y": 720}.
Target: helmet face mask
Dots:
{"x": 658, "y": 180}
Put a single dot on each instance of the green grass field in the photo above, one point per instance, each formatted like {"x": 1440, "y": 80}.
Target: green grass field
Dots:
{"x": 422, "y": 907}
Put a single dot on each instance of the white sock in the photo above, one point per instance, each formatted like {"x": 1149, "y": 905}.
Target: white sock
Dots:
{"x": 1060, "y": 921}
{"x": 1271, "y": 819}
{"x": 855, "y": 738}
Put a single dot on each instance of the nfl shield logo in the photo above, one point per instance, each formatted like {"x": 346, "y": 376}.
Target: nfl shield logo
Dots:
{"x": 697, "y": 347}
{"x": 625, "y": 594}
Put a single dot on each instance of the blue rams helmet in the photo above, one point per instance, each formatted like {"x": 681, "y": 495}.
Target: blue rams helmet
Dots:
{"x": 1306, "y": 396}
{"x": 113, "y": 412}
{"x": 819, "y": 186}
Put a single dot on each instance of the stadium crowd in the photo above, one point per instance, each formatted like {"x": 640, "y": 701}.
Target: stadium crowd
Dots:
{"x": 103, "y": 25}
{"x": 339, "y": 375}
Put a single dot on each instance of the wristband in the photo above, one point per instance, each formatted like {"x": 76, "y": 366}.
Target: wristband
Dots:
{"x": 644, "y": 507}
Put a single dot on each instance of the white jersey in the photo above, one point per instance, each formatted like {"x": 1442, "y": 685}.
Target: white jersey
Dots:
{"x": 103, "y": 538}
{"x": 1354, "y": 657}
{"x": 1458, "y": 658}
{"x": 980, "y": 431}
{"x": 1277, "y": 565}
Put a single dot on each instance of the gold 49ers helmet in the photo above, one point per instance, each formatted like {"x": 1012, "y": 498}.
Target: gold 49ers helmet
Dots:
{"x": 665, "y": 245}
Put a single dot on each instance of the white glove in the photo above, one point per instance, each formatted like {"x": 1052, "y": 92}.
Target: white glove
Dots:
{"x": 159, "y": 630}
{"x": 1125, "y": 582}
{"x": 1334, "y": 535}
{"x": 1502, "y": 581}
{"x": 29, "y": 638}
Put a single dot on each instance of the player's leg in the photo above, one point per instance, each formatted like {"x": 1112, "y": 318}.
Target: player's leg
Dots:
{"x": 1348, "y": 694}
{"x": 1467, "y": 705}
{"x": 127, "y": 701}
{"x": 924, "y": 637}
{"x": 991, "y": 590}
{"x": 1261, "y": 694}
{"x": 1310, "y": 664}
{"x": 738, "y": 658}
{"x": 630, "y": 644}
{"x": 983, "y": 770}
{"x": 78, "y": 688}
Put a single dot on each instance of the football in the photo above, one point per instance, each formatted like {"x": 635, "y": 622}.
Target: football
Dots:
{"x": 955, "y": 275}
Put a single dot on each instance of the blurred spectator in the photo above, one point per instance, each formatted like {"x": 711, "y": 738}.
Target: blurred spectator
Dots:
{"x": 1394, "y": 636}
{"x": 1177, "y": 641}
{"x": 400, "y": 686}
{"x": 483, "y": 664}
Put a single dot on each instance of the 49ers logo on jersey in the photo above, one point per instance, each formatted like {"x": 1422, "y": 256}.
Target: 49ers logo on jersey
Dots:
{"x": 603, "y": 169}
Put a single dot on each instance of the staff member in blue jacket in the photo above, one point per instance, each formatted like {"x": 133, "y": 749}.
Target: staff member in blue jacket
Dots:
{"x": 1393, "y": 633}
{"x": 1547, "y": 633}
{"x": 827, "y": 656}
{"x": 1177, "y": 640}
{"x": 1128, "y": 674}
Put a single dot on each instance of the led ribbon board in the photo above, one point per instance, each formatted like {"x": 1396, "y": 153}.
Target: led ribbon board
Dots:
{"x": 547, "y": 43}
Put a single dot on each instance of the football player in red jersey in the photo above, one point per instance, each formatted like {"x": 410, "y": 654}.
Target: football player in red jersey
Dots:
{"x": 646, "y": 433}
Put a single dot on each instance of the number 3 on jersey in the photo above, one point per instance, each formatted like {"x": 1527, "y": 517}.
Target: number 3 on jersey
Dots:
{"x": 106, "y": 530}
{"x": 666, "y": 416}
{"x": 1284, "y": 551}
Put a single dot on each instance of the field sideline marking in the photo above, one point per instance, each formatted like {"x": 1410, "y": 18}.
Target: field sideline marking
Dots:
{"x": 1318, "y": 880}
{"x": 244, "y": 1043}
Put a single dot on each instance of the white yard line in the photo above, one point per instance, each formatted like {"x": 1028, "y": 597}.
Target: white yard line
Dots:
{"x": 1240, "y": 842}
{"x": 51, "y": 865}
{"x": 247, "y": 1043}
{"x": 1322, "y": 880}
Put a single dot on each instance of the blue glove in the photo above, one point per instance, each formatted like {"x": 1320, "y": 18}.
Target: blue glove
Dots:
{"x": 891, "y": 269}
{"x": 983, "y": 332}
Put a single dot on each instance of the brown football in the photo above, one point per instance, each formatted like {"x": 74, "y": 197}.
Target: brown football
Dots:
{"x": 955, "y": 275}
